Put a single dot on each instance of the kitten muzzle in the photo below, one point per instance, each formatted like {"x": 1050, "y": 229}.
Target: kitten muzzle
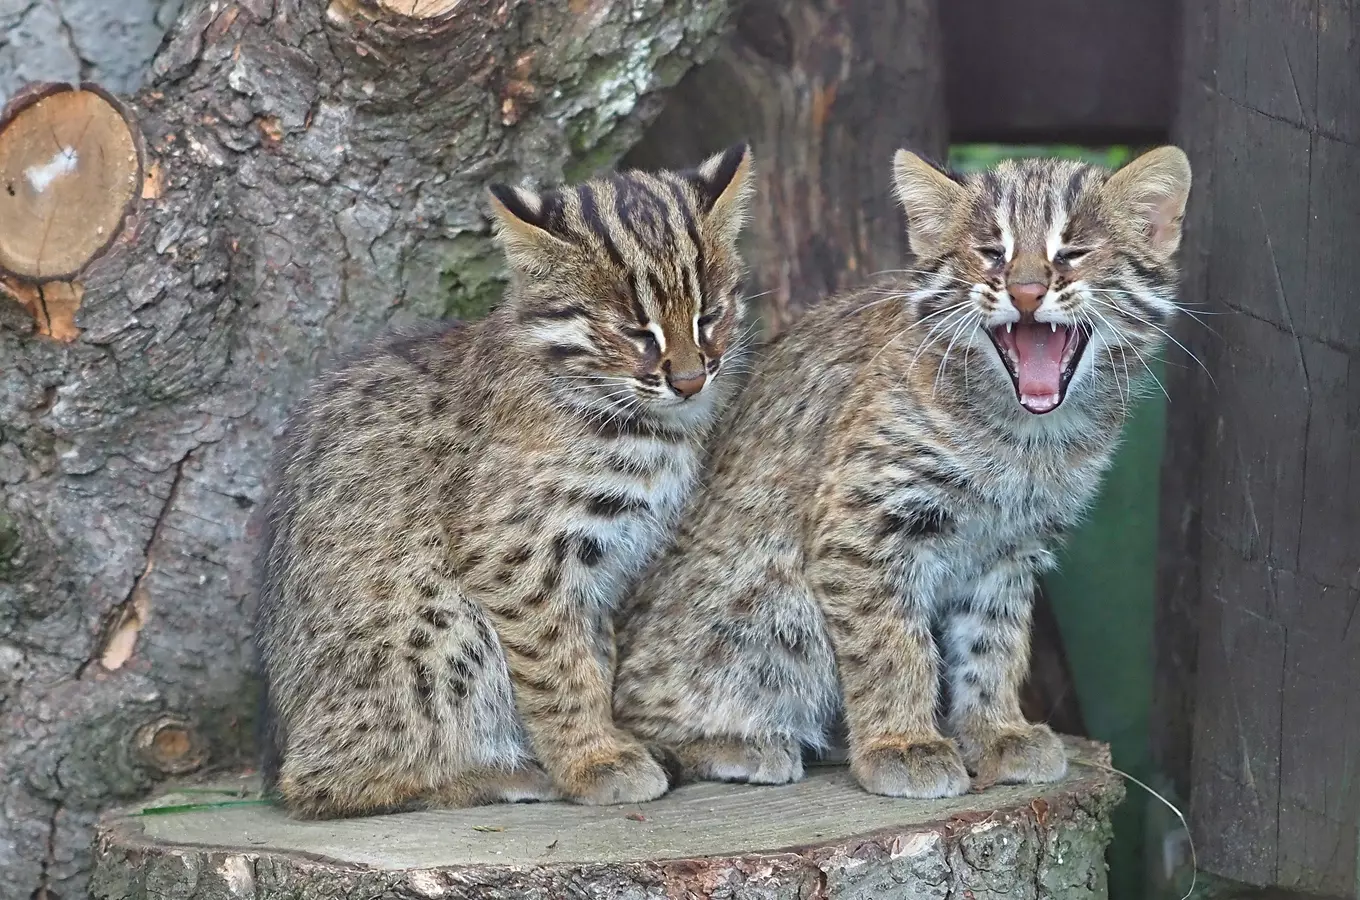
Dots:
{"x": 1040, "y": 357}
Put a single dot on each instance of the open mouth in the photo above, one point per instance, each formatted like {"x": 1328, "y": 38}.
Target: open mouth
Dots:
{"x": 1040, "y": 357}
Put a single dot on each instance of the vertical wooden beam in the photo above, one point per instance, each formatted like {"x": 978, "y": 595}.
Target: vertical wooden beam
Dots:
{"x": 1262, "y": 478}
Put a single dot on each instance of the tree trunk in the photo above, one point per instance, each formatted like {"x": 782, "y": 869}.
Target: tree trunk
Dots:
{"x": 1261, "y": 487}
{"x": 111, "y": 43}
{"x": 820, "y": 839}
{"x": 309, "y": 175}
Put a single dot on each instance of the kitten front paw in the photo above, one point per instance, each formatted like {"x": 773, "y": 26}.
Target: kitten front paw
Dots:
{"x": 626, "y": 774}
{"x": 1024, "y": 754}
{"x": 923, "y": 770}
{"x": 774, "y": 761}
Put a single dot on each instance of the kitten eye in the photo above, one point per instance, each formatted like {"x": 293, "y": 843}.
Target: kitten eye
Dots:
{"x": 708, "y": 319}
{"x": 646, "y": 337}
{"x": 994, "y": 256}
{"x": 1069, "y": 257}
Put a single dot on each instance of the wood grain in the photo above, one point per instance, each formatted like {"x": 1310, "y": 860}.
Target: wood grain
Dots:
{"x": 1262, "y": 477}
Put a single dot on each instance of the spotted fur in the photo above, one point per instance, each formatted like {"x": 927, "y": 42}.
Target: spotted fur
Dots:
{"x": 458, "y": 511}
{"x": 880, "y": 502}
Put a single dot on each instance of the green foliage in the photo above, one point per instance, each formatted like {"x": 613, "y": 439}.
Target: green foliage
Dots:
{"x": 975, "y": 157}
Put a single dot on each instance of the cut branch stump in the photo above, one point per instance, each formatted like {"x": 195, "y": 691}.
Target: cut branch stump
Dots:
{"x": 821, "y": 838}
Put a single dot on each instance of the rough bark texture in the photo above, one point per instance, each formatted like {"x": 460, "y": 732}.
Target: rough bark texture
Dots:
{"x": 319, "y": 177}
{"x": 821, "y": 839}
{"x": 1260, "y": 651}
{"x": 825, "y": 92}
{"x": 106, "y": 41}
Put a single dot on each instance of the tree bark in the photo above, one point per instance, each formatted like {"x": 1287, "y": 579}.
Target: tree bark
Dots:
{"x": 820, "y": 839}
{"x": 314, "y": 174}
{"x": 1260, "y": 651}
{"x": 111, "y": 43}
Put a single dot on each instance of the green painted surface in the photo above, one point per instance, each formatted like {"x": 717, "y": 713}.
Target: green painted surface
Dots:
{"x": 1103, "y": 597}
{"x": 1103, "y": 594}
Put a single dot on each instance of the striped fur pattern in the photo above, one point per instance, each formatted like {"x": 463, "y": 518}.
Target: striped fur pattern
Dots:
{"x": 457, "y": 512}
{"x": 883, "y": 495}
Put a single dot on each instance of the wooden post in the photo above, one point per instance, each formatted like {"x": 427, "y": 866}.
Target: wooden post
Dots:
{"x": 1259, "y": 619}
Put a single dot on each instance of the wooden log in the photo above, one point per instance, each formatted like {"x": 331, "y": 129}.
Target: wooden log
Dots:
{"x": 820, "y": 839}
{"x": 1006, "y": 62}
{"x": 71, "y": 164}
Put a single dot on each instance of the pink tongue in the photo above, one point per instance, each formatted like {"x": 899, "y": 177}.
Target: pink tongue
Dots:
{"x": 1040, "y": 350}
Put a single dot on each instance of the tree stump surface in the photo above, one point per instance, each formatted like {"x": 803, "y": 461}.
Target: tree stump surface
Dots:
{"x": 820, "y": 838}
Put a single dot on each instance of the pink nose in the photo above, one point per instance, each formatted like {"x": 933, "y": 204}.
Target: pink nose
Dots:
{"x": 687, "y": 384}
{"x": 1027, "y": 297}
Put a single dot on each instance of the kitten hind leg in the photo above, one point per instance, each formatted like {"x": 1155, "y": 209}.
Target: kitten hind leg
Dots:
{"x": 757, "y": 761}
{"x": 525, "y": 784}
{"x": 986, "y": 645}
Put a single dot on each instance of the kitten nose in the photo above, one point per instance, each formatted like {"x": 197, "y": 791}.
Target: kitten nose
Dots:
{"x": 687, "y": 384}
{"x": 1027, "y": 297}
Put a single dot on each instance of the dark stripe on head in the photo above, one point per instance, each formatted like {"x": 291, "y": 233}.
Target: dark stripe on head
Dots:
{"x": 658, "y": 290}
{"x": 569, "y": 311}
{"x": 562, "y": 352}
{"x": 590, "y": 214}
{"x": 1073, "y": 189}
{"x": 633, "y": 298}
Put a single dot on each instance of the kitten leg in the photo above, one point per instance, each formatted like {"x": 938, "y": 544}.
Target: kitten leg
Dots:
{"x": 524, "y": 784}
{"x": 986, "y": 643}
{"x": 889, "y": 675}
{"x": 770, "y": 761}
{"x": 561, "y": 669}
{"x": 313, "y": 795}
{"x": 409, "y": 703}
{"x": 724, "y": 661}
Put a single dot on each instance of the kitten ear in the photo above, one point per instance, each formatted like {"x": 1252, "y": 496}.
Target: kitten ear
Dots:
{"x": 521, "y": 226}
{"x": 724, "y": 184}
{"x": 928, "y": 196}
{"x": 1155, "y": 187}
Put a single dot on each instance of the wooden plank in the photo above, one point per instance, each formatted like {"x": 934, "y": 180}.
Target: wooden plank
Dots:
{"x": 1270, "y": 114}
{"x": 1059, "y": 70}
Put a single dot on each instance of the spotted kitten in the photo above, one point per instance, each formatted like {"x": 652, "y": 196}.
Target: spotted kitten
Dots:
{"x": 894, "y": 477}
{"x": 458, "y": 512}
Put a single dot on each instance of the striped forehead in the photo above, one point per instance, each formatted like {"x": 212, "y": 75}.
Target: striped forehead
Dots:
{"x": 644, "y": 215}
{"x": 1030, "y": 201}
{"x": 646, "y": 226}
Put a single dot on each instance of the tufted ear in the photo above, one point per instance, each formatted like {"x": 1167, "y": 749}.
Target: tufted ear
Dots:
{"x": 1154, "y": 188}
{"x": 724, "y": 185}
{"x": 928, "y": 196}
{"x": 522, "y": 218}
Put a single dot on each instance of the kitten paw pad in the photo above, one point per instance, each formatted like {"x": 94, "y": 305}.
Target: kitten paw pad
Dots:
{"x": 924, "y": 770}
{"x": 1030, "y": 754}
